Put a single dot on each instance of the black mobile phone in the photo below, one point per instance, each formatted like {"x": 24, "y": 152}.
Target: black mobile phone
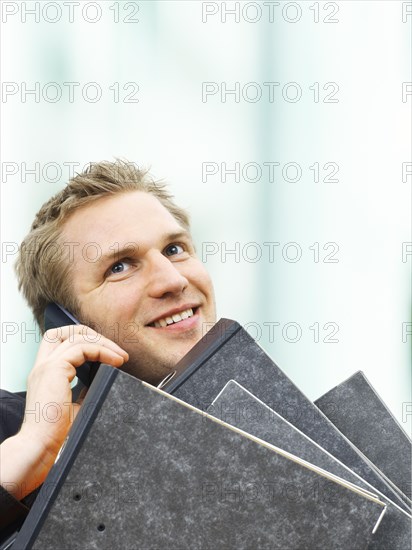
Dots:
{"x": 56, "y": 316}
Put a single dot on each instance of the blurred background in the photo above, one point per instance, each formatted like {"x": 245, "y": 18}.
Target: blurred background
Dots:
{"x": 284, "y": 128}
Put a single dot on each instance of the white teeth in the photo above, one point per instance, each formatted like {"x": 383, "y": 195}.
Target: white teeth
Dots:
{"x": 175, "y": 318}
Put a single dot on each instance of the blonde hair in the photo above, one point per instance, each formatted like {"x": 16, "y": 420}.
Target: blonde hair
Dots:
{"x": 43, "y": 278}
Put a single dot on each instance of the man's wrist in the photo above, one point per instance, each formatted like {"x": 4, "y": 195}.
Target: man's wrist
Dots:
{"x": 24, "y": 464}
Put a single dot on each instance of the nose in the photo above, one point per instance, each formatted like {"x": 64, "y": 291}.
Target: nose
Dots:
{"x": 164, "y": 278}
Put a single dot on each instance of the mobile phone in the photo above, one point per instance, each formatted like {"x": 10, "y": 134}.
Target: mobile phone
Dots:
{"x": 56, "y": 316}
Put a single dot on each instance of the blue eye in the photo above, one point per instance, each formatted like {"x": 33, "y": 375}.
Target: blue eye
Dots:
{"x": 174, "y": 248}
{"x": 117, "y": 268}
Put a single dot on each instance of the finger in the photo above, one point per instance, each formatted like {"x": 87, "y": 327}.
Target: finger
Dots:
{"x": 64, "y": 337}
{"x": 53, "y": 338}
{"x": 99, "y": 339}
{"x": 80, "y": 352}
{"x": 64, "y": 362}
{"x": 56, "y": 370}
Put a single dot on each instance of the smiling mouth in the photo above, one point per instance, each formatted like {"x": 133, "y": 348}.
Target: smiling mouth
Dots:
{"x": 174, "y": 319}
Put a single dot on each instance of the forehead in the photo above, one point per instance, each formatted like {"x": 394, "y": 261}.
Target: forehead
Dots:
{"x": 120, "y": 218}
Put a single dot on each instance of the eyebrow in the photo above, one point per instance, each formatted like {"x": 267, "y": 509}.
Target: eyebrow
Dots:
{"x": 130, "y": 248}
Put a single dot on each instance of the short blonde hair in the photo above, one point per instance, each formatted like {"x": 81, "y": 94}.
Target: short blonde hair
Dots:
{"x": 42, "y": 280}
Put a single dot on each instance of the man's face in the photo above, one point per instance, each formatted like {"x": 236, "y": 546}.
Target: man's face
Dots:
{"x": 133, "y": 271}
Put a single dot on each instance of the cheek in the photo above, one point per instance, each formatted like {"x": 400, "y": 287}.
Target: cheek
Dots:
{"x": 116, "y": 305}
{"x": 204, "y": 273}
{"x": 201, "y": 278}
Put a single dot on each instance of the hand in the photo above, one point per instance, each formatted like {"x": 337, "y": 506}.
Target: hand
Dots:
{"x": 27, "y": 457}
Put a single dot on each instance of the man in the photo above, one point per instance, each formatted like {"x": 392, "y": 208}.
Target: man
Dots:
{"x": 113, "y": 249}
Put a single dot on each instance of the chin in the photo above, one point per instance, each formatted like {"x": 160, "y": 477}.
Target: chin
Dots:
{"x": 152, "y": 372}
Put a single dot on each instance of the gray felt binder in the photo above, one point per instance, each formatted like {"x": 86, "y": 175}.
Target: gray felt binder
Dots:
{"x": 358, "y": 412}
{"x": 238, "y": 407}
{"x": 143, "y": 470}
{"x": 228, "y": 352}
